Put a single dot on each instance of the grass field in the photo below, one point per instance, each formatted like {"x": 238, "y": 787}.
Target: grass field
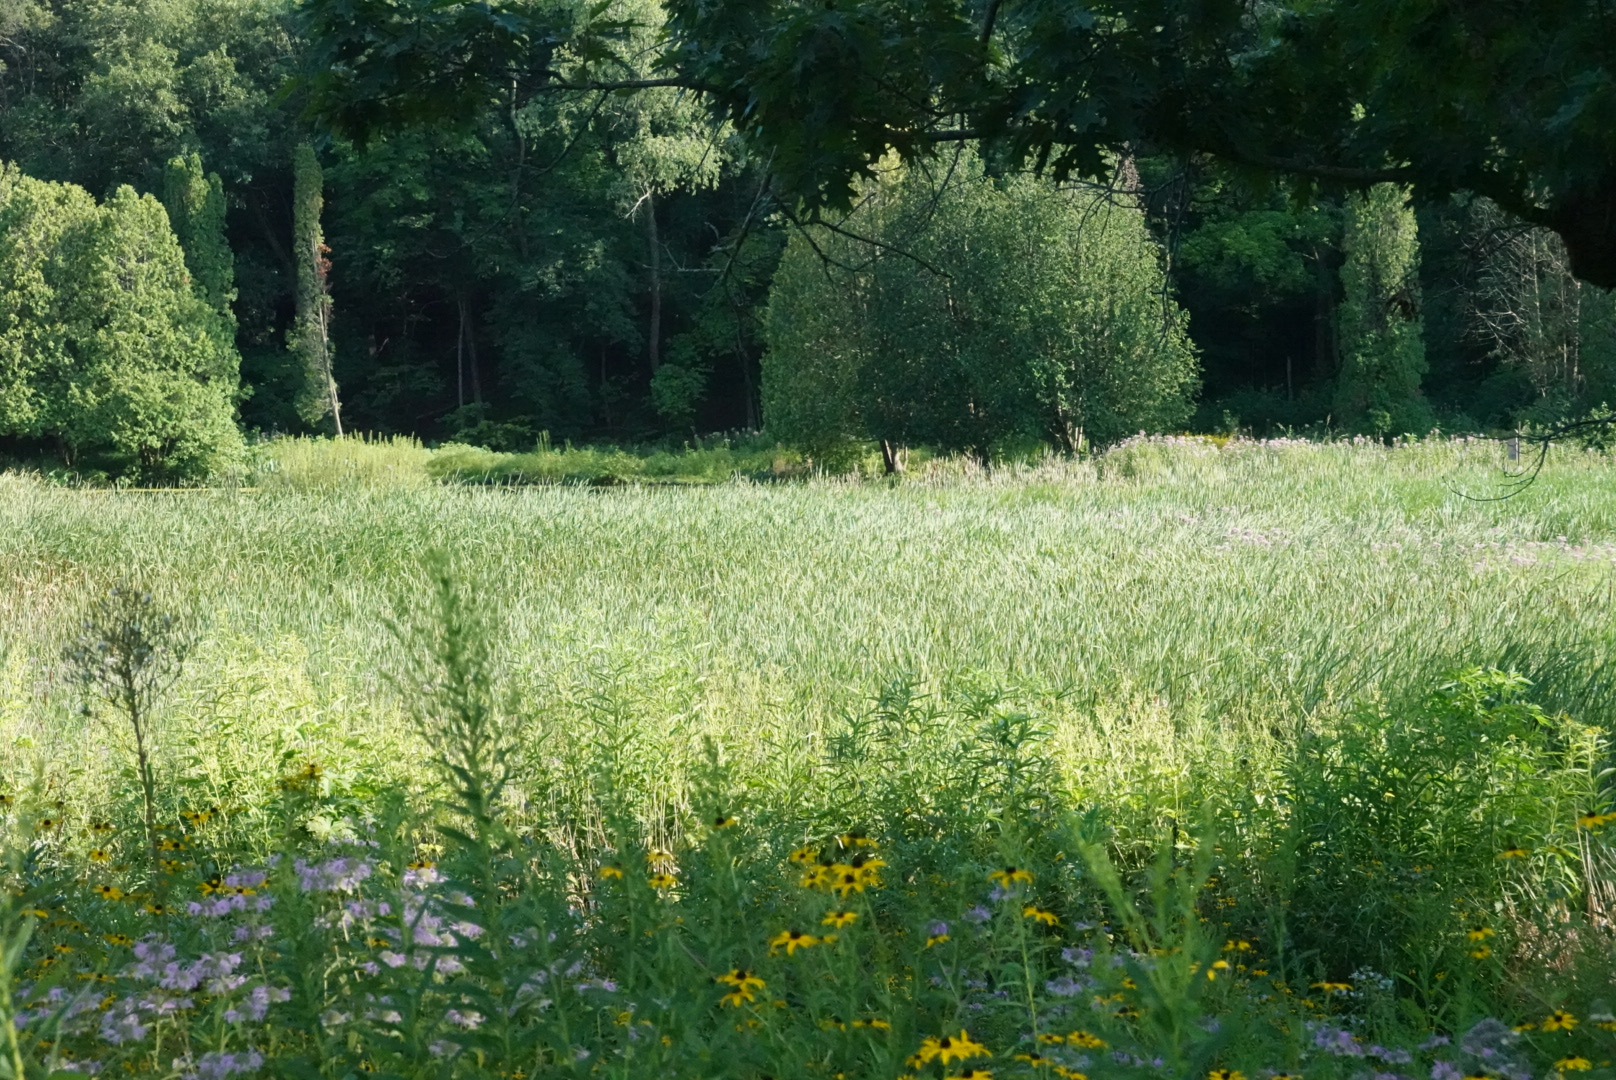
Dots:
{"x": 1177, "y": 651}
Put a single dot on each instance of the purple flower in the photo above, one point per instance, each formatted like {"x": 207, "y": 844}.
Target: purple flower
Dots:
{"x": 979, "y": 914}
{"x": 1446, "y": 1070}
{"x": 937, "y": 929}
{"x": 471, "y": 1021}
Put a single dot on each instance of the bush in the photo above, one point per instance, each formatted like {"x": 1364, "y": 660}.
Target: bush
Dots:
{"x": 971, "y": 313}
{"x": 106, "y": 351}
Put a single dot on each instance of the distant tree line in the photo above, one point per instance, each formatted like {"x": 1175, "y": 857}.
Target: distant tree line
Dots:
{"x": 491, "y": 258}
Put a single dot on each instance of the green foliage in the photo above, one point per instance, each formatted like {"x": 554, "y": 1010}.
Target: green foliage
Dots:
{"x": 196, "y": 212}
{"x": 969, "y": 312}
{"x": 1382, "y": 349}
{"x": 109, "y": 353}
{"x": 1334, "y": 91}
{"x": 310, "y": 338}
{"x": 1416, "y": 825}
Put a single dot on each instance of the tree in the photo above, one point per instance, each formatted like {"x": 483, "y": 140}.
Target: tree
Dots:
{"x": 1512, "y": 99}
{"x": 105, "y": 349}
{"x": 1533, "y": 316}
{"x": 972, "y": 312}
{"x": 1382, "y": 343}
{"x": 311, "y": 333}
{"x": 196, "y": 212}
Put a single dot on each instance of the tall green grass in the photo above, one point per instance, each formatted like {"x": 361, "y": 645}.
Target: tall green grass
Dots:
{"x": 1170, "y": 604}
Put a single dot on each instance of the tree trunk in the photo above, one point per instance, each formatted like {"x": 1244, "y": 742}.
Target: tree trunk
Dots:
{"x": 653, "y": 337}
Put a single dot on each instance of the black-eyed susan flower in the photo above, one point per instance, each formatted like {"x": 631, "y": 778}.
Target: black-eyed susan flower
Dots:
{"x": 741, "y": 979}
{"x": 845, "y": 879}
{"x": 937, "y": 939}
{"x": 1480, "y": 933}
{"x": 874, "y": 1022}
{"x": 1216, "y": 967}
{"x": 1333, "y": 987}
{"x": 724, "y": 821}
{"x": 1069, "y": 1074}
{"x": 791, "y": 941}
{"x": 804, "y": 855}
{"x": 817, "y": 877}
{"x": 662, "y": 880}
{"x": 611, "y": 872}
{"x": 159, "y": 909}
{"x": 109, "y": 892}
{"x": 101, "y": 826}
{"x": 839, "y": 919}
{"x": 1225, "y": 1074}
{"x": 658, "y": 856}
{"x": 1573, "y": 1064}
{"x": 854, "y": 838}
{"x": 960, "y": 1047}
{"x": 100, "y": 855}
{"x": 1481, "y": 952}
{"x": 1085, "y": 1040}
{"x": 1037, "y": 1061}
{"x": 1011, "y": 875}
{"x": 1590, "y": 820}
{"x": 1514, "y": 853}
{"x": 1033, "y": 911}
{"x": 121, "y": 940}
{"x": 1236, "y": 946}
{"x": 1559, "y": 1020}
{"x": 971, "y": 1074}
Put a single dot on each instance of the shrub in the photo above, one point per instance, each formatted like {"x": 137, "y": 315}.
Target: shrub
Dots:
{"x": 106, "y": 352}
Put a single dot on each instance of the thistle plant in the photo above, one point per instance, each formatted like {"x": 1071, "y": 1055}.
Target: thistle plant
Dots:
{"x": 128, "y": 654}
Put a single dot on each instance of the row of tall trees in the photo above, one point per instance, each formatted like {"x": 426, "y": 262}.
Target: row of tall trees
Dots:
{"x": 599, "y": 263}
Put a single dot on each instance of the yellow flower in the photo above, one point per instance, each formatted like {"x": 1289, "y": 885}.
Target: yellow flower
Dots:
{"x": 1605, "y": 1025}
{"x": 948, "y": 1048}
{"x": 846, "y": 879}
{"x": 1333, "y": 987}
{"x": 171, "y": 866}
{"x": 804, "y": 855}
{"x": 1559, "y": 1020}
{"x": 736, "y": 998}
{"x": 609, "y": 871}
{"x": 839, "y": 919}
{"x": 119, "y": 939}
{"x": 791, "y": 941}
{"x": 1480, "y": 933}
{"x": 816, "y": 877}
{"x": 1217, "y": 966}
{"x": 1573, "y": 1064}
{"x": 662, "y": 880}
{"x": 1514, "y": 853}
{"x": 1037, "y": 1061}
{"x": 1010, "y": 875}
{"x": 1237, "y": 946}
{"x": 1286, "y": 1076}
{"x": 724, "y": 821}
{"x": 741, "y": 979}
{"x": 1085, "y": 1040}
{"x": 1225, "y": 1074}
{"x": 855, "y": 838}
{"x": 971, "y": 1074}
{"x": 109, "y": 892}
{"x": 877, "y": 1023}
{"x": 1590, "y": 820}
{"x": 936, "y": 939}
{"x": 1070, "y": 1074}
{"x": 159, "y": 909}
{"x": 1482, "y": 952}
{"x": 1048, "y": 918}
{"x": 100, "y": 855}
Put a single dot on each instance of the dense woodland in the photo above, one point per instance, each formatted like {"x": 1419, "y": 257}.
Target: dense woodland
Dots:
{"x": 583, "y": 255}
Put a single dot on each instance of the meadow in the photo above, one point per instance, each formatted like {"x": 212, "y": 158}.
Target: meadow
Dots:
{"x": 1193, "y": 759}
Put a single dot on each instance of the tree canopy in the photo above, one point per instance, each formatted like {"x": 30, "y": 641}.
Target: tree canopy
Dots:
{"x": 1513, "y": 100}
